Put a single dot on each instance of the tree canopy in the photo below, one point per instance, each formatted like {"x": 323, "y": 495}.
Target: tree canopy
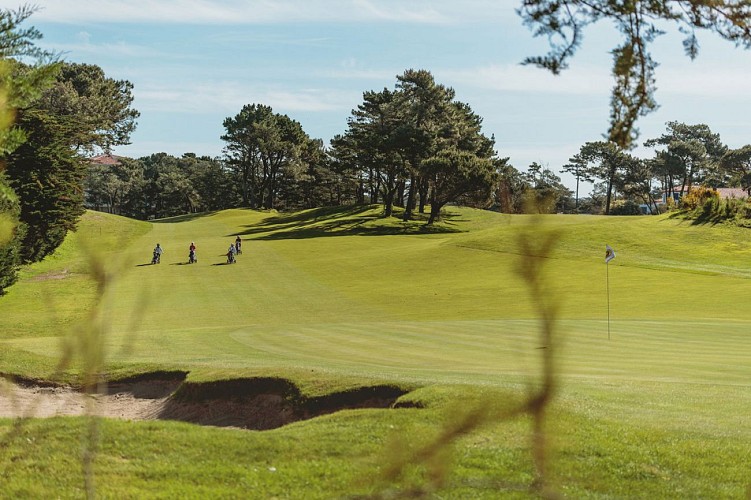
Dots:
{"x": 79, "y": 112}
{"x": 415, "y": 143}
{"x": 263, "y": 147}
{"x": 640, "y": 22}
{"x": 690, "y": 154}
{"x": 17, "y": 90}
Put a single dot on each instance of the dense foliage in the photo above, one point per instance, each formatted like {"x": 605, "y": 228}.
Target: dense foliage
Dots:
{"x": 160, "y": 185}
{"x": 79, "y": 112}
{"x": 53, "y": 114}
{"x": 47, "y": 176}
{"x": 17, "y": 90}
{"x": 415, "y": 146}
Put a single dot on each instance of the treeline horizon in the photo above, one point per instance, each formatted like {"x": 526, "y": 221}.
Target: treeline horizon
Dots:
{"x": 414, "y": 146}
{"x": 162, "y": 185}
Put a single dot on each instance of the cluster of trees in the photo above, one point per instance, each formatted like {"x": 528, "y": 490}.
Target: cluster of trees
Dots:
{"x": 276, "y": 164}
{"x": 160, "y": 185}
{"x": 686, "y": 156}
{"x": 640, "y": 23}
{"x": 412, "y": 147}
{"x": 415, "y": 146}
{"x": 63, "y": 112}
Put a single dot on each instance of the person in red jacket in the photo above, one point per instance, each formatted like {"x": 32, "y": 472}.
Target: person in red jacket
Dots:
{"x": 192, "y": 254}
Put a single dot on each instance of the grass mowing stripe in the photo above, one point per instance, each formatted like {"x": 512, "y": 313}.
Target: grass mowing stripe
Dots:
{"x": 663, "y": 402}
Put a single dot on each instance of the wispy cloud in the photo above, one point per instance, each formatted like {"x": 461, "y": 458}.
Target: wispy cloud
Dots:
{"x": 266, "y": 11}
{"x": 83, "y": 45}
{"x": 690, "y": 79}
{"x": 229, "y": 97}
{"x": 251, "y": 37}
{"x": 518, "y": 78}
{"x": 352, "y": 70}
{"x": 706, "y": 79}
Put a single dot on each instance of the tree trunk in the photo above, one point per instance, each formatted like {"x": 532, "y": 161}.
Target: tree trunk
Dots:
{"x": 248, "y": 184}
{"x": 424, "y": 190}
{"x": 435, "y": 212}
{"x": 410, "y": 198}
{"x": 388, "y": 196}
{"x": 388, "y": 203}
{"x": 375, "y": 190}
{"x": 607, "y": 198}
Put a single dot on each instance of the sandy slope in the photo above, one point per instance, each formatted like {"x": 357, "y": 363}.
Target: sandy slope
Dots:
{"x": 138, "y": 401}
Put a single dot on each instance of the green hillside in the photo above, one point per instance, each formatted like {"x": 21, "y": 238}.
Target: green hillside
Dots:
{"x": 335, "y": 299}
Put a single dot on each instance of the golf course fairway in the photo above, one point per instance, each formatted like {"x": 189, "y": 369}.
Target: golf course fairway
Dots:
{"x": 652, "y": 355}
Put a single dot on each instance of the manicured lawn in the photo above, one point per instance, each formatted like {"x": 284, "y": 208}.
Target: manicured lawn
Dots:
{"x": 340, "y": 298}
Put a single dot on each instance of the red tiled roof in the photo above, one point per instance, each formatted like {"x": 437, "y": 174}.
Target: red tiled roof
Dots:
{"x": 723, "y": 192}
{"x": 106, "y": 159}
{"x": 732, "y": 193}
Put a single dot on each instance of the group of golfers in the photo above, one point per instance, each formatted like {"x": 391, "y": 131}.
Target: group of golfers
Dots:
{"x": 234, "y": 249}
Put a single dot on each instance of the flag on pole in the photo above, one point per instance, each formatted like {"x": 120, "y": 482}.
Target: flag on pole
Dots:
{"x": 609, "y": 253}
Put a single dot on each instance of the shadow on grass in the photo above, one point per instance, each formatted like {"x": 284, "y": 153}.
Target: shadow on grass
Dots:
{"x": 184, "y": 218}
{"x": 700, "y": 219}
{"x": 359, "y": 220}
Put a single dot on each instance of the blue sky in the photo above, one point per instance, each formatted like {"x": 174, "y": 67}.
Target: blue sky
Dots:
{"x": 195, "y": 62}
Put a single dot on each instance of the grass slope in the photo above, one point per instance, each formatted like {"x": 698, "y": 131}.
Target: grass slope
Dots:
{"x": 337, "y": 298}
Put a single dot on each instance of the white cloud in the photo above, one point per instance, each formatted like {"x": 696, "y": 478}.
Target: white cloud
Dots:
{"x": 122, "y": 49}
{"x": 702, "y": 79}
{"x": 83, "y": 37}
{"x": 266, "y": 11}
{"x": 518, "y": 78}
{"x": 689, "y": 79}
{"x": 229, "y": 97}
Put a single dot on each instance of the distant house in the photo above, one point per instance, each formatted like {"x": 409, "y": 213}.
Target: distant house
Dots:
{"x": 646, "y": 209}
{"x": 725, "y": 194}
{"x": 675, "y": 194}
{"x": 106, "y": 159}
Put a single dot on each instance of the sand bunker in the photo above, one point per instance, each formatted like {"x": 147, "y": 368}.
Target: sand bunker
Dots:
{"x": 254, "y": 403}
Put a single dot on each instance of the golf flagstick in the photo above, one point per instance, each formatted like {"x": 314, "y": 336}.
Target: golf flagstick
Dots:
{"x": 609, "y": 255}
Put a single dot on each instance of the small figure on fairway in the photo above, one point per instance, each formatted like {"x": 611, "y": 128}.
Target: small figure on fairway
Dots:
{"x": 231, "y": 254}
{"x": 192, "y": 259}
{"x": 238, "y": 245}
{"x": 157, "y": 256}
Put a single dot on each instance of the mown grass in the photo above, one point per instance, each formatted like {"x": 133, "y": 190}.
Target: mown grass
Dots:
{"x": 332, "y": 299}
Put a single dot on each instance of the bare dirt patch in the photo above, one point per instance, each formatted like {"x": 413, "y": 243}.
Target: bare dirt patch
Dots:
{"x": 254, "y": 403}
{"x": 53, "y": 275}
